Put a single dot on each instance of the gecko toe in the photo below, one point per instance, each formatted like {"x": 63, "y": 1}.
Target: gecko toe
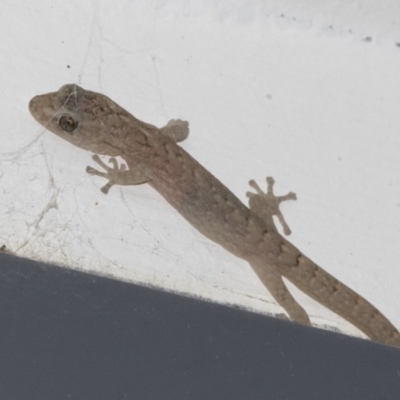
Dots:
{"x": 105, "y": 189}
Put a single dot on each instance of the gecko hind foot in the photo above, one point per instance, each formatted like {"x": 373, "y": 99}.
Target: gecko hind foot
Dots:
{"x": 265, "y": 205}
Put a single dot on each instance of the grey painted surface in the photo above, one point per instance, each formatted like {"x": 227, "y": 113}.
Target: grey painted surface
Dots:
{"x": 70, "y": 335}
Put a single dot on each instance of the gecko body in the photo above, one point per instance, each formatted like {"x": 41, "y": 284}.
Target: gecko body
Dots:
{"x": 95, "y": 123}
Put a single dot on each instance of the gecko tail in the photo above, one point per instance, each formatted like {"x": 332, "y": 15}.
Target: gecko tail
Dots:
{"x": 327, "y": 290}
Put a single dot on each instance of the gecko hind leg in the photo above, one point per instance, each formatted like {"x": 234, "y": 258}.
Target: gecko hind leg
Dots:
{"x": 273, "y": 281}
{"x": 176, "y": 129}
{"x": 265, "y": 205}
{"x": 119, "y": 175}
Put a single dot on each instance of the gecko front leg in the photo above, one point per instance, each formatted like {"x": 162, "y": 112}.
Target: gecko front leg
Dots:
{"x": 176, "y": 129}
{"x": 119, "y": 175}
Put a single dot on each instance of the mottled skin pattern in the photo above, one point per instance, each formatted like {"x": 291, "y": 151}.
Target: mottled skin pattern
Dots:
{"x": 95, "y": 123}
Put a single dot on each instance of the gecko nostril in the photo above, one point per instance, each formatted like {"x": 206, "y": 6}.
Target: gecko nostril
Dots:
{"x": 68, "y": 123}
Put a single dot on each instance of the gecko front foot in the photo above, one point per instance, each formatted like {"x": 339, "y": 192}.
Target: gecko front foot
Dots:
{"x": 265, "y": 205}
{"x": 176, "y": 129}
{"x": 119, "y": 175}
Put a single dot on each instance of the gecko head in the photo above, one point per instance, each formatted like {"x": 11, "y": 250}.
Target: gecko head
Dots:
{"x": 86, "y": 119}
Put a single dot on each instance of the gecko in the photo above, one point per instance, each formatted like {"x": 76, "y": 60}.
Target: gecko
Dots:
{"x": 93, "y": 122}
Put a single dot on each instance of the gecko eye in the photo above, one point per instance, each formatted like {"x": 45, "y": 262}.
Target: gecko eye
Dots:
{"x": 67, "y": 123}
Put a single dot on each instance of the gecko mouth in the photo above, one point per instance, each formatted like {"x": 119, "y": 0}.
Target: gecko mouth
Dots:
{"x": 38, "y": 111}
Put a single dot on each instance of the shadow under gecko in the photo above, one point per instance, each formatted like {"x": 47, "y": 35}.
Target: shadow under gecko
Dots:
{"x": 94, "y": 122}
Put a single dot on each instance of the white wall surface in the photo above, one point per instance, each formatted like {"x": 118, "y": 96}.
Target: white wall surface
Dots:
{"x": 308, "y": 93}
